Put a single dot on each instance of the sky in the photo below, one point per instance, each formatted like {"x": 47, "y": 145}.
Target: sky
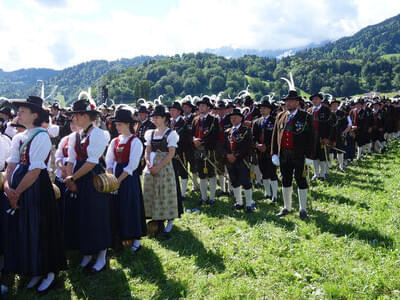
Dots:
{"x": 61, "y": 33}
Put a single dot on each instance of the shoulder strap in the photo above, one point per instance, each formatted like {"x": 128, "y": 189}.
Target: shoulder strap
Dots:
{"x": 30, "y": 139}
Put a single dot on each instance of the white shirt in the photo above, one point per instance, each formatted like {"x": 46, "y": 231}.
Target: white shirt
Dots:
{"x": 97, "y": 144}
{"x": 38, "y": 151}
{"x": 10, "y": 130}
{"x": 134, "y": 155}
{"x": 53, "y": 130}
{"x": 172, "y": 141}
{"x": 350, "y": 122}
{"x": 59, "y": 156}
{"x": 5, "y": 147}
{"x": 316, "y": 108}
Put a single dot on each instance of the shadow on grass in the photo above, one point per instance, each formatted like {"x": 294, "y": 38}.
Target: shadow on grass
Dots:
{"x": 265, "y": 212}
{"x": 147, "y": 266}
{"x": 339, "y": 199}
{"x": 371, "y": 236}
{"x": 186, "y": 244}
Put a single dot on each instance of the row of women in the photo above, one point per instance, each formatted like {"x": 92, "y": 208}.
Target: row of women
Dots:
{"x": 37, "y": 230}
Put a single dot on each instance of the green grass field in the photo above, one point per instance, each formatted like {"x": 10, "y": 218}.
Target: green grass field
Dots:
{"x": 348, "y": 249}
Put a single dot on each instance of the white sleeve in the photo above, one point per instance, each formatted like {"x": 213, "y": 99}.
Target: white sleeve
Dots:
{"x": 10, "y": 130}
{"x": 71, "y": 148}
{"x": 4, "y": 151}
{"x": 59, "y": 153}
{"x": 107, "y": 135}
{"x": 135, "y": 155}
{"x": 147, "y": 137}
{"x": 350, "y": 122}
{"x": 173, "y": 139}
{"x": 14, "y": 156}
{"x": 110, "y": 159}
{"x": 53, "y": 130}
{"x": 97, "y": 144}
{"x": 39, "y": 151}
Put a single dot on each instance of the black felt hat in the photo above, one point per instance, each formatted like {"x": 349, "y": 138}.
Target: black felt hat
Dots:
{"x": 205, "y": 100}
{"x": 292, "y": 96}
{"x": 175, "y": 105}
{"x": 123, "y": 115}
{"x": 7, "y": 111}
{"x": 34, "y": 103}
{"x": 236, "y": 112}
{"x": 267, "y": 103}
{"x": 319, "y": 95}
{"x": 83, "y": 106}
{"x": 160, "y": 110}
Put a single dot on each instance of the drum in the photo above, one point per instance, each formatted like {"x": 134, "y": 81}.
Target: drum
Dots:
{"x": 2, "y": 180}
{"x": 56, "y": 191}
{"x": 105, "y": 183}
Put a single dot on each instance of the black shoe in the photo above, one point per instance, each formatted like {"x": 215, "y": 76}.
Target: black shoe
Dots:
{"x": 93, "y": 271}
{"x": 201, "y": 202}
{"x": 322, "y": 178}
{"x": 221, "y": 193}
{"x": 282, "y": 213}
{"x": 303, "y": 215}
{"x": 163, "y": 236}
{"x": 183, "y": 198}
{"x": 237, "y": 207}
{"x": 250, "y": 209}
{"x": 267, "y": 196}
{"x": 258, "y": 185}
{"x": 274, "y": 200}
{"x": 383, "y": 150}
{"x": 210, "y": 201}
{"x": 314, "y": 178}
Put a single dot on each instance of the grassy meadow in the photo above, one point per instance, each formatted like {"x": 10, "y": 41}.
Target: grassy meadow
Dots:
{"x": 347, "y": 249}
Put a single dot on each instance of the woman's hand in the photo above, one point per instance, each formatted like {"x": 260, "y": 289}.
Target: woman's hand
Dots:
{"x": 154, "y": 170}
{"x": 13, "y": 198}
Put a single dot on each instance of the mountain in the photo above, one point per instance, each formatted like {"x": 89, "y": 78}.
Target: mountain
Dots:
{"x": 13, "y": 84}
{"x": 230, "y": 52}
{"x": 69, "y": 81}
{"x": 370, "y": 42}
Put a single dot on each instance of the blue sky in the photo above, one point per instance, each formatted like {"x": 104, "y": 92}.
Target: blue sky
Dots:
{"x": 61, "y": 33}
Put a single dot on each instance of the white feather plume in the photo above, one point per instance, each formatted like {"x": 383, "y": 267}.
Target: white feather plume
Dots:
{"x": 290, "y": 82}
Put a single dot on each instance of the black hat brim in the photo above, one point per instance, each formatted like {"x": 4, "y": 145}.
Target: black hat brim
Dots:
{"x": 131, "y": 120}
{"x": 31, "y": 106}
{"x": 82, "y": 112}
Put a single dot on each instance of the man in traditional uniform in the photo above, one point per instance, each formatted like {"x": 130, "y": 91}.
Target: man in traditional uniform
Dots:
{"x": 224, "y": 124}
{"x": 205, "y": 135}
{"x": 262, "y": 137}
{"x": 322, "y": 123}
{"x": 188, "y": 115}
{"x": 292, "y": 143}
{"x": 237, "y": 145}
{"x": 340, "y": 128}
{"x": 360, "y": 126}
{"x": 185, "y": 140}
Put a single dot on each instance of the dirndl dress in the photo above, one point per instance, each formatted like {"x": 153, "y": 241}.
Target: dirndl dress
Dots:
{"x": 159, "y": 190}
{"x": 33, "y": 241}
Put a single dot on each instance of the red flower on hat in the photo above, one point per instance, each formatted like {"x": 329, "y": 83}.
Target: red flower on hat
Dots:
{"x": 92, "y": 106}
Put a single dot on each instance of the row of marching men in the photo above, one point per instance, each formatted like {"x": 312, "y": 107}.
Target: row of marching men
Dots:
{"x": 37, "y": 230}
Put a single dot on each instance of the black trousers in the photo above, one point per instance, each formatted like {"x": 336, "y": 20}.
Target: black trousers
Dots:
{"x": 267, "y": 168}
{"x": 203, "y": 167}
{"x": 220, "y": 159}
{"x": 239, "y": 174}
{"x": 289, "y": 164}
{"x": 319, "y": 149}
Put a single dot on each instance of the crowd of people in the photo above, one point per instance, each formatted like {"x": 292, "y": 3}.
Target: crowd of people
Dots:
{"x": 52, "y": 157}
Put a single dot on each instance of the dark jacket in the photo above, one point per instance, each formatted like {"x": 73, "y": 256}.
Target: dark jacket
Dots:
{"x": 208, "y": 129}
{"x": 239, "y": 142}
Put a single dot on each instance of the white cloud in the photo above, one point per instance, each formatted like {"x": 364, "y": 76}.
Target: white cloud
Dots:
{"x": 44, "y": 33}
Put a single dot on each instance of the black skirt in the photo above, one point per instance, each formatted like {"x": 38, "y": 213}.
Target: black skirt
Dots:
{"x": 92, "y": 211}
{"x": 33, "y": 241}
{"x": 129, "y": 207}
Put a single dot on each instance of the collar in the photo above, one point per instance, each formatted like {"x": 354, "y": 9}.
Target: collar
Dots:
{"x": 204, "y": 117}
{"x": 293, "y": 113}
{"x": 317, "y": 108}
{"x": 237, "y": 127}
{"x": 177, "y": 119}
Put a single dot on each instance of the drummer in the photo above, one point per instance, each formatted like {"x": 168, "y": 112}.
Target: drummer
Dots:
{"x": 92, "y": 223}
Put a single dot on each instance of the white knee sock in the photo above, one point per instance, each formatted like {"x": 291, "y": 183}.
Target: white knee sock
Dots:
{"x": 287, "y": 197}
{"x": 340, "y": 158}
{"x": 274, "y": 187}
{"x": 257, "y": 171}
{"x": 221, "y": 179}
{"x": 237, "y": 192}
{"x": 46, "y": 282}
{"x": 331, "y": 157}
{"x": 369, "y": 147}
{"x": 266, "y": 183}
{"x": 248, "y": 194}
{"x": 184, "y": 184}
{"x": 203, "y": 188}
{"x": 302, "y": 193}
{"x": 86, "y": 260}
{"x": 359, "y": 152}
{"x": 101, "y": 260}
{"x": 168, "y": 228}
{"x": 195, "y": 181}
{"x": 213, "y": 187}
{"x": 323, "y": 165}
{"x": 316, "y": 163}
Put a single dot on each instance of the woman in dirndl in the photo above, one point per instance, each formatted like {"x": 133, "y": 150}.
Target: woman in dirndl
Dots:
{"x": 33, "y": 243}
{"x": 91, "y": 227}
{"x": 160, "y": 196}
{"x": 122, "y": 160}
